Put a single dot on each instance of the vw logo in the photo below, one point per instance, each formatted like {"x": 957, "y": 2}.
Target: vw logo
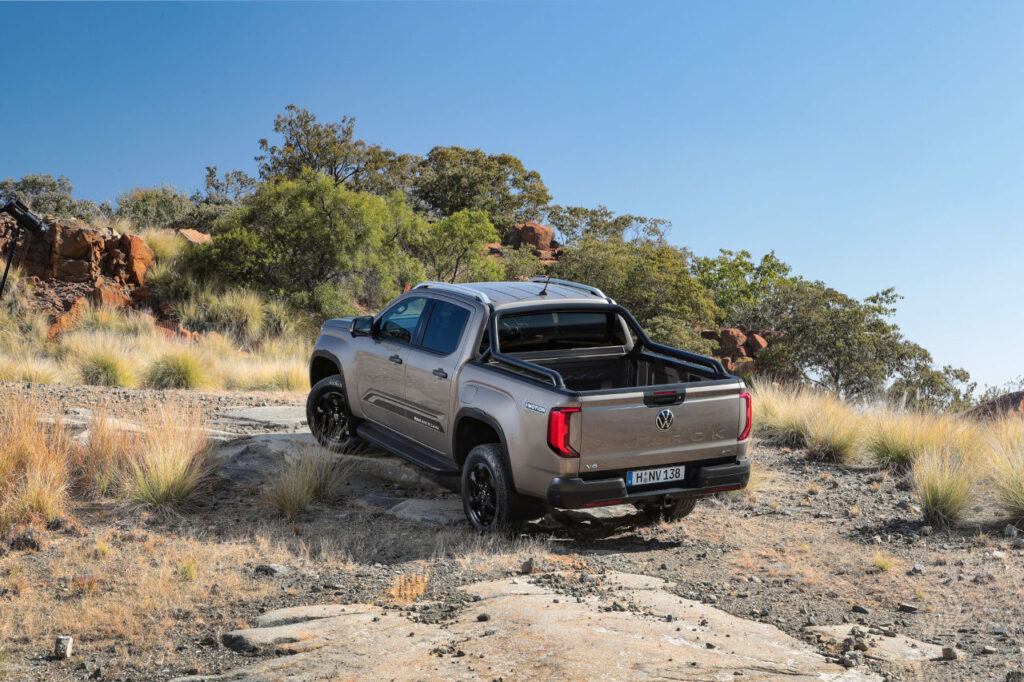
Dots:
{"x": 664, "y": 420}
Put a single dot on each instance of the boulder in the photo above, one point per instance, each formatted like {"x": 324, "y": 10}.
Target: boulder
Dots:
{"x": 732, "y": 339}
{"x": 1009, "y": 403}
{"x": 540, "y": 237}
{"x": 109, "y": 294}
{"x": 755, "y": 343}
{"x": 140, "y": 258}
{"x": 195, "y": 236}
{"x": 67, "y": 320}
{"x": 710, "y": 335}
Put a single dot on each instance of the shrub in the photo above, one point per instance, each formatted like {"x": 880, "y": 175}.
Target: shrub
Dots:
{"x": 172, "y": 466}
{"x": 150, "y": 207}
{"x": 944, "y": 484}
{"x": 180, "y": 368}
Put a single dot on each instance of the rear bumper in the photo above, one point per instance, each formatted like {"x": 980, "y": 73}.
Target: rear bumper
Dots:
{"x": 574, "y": 492}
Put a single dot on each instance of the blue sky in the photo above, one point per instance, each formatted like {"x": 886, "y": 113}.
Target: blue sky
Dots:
{"x": 870, "y": 144}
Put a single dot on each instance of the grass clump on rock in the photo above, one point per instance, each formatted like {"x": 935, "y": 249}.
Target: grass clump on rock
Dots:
{"x": 315, "y": 475}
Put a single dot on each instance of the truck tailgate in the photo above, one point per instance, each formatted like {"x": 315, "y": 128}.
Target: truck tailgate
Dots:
{"x": 660, "y": 426}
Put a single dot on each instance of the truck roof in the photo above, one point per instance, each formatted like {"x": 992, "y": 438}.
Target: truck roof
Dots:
{"x": 509, "y": 294}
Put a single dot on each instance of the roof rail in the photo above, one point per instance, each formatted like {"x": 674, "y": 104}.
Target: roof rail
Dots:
{"x": 455, "y": 289}
{"x": 575, "y": 285}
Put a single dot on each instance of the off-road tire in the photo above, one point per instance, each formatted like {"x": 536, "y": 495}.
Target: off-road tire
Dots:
{"x": 329, "y": 417}
{"x": 489, "y": 498}
{"x": 656, "y": 511}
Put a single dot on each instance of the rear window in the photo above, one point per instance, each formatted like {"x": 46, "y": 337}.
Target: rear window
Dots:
{"x": 444, "y": 327}
{"x": 554, "y": 330}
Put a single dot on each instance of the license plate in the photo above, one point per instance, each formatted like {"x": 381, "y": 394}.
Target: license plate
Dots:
{"x": 652, "y": 476}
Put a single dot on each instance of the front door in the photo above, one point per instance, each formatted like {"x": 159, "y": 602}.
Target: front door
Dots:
{"x": 430, "y": 375}
{"x": 381, "y": 364}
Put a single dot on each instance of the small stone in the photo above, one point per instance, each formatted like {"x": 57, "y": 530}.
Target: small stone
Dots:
{"x": 988, "y": 650}
{"x": 996, "y": 554}
{"x": 857, "y": 608}
{"x": 916, "y": 569}
{"x": 950, "y": 653}
{"x": 925, "y": 531}
{"x": 852, "y": 659}
{"x": 908, "y": 608}
{"x": 62, "y": 647}
{"x": 1018, "y": 543}
{"x": 1011, "y": 531}
{"x": 527, "y": 567}
{"x": 272, "y": 569}
{"x": 1015, "y": 676}
{"x": 482, "y": 617}
{"x": 709, "y": 645}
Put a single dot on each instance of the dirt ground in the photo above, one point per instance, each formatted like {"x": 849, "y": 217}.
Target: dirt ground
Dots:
{"x": 149, "y": 596}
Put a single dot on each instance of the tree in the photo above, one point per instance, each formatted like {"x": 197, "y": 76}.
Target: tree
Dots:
{"x": 453, "y": 249}
{"x": 651, "y": 280}
{"x": 153, "y": 206}
{"x": 742, "y": 288}
{"x": 295, "y": 237}
{"x": 333, "y": 150}
{"x": 453, "y": 179}
{"x": 227, "y": 189}
{"x": 45, "y": 194}
{"x": 576, "y": 224}
{"x": 919, "y": 385}
{"x": 833, "y": 340}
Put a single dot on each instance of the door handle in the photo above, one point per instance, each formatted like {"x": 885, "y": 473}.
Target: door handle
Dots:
{"x": 440, "y": 373}
{"x": 396, "y": 358}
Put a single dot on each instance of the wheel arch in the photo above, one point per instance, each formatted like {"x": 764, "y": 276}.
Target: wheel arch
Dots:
{"x": 322, "y": 365}
{"x": 475, "y": 427}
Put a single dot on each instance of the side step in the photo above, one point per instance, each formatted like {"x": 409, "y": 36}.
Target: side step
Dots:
{"x": 409, "y": 450}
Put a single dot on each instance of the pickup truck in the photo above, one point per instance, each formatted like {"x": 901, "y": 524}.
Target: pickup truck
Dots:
{"x": 535, "y": 394}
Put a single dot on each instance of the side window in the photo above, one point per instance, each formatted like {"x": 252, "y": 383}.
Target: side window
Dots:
{"x": 444, "y": 328}
{"x": 399, "y": 323}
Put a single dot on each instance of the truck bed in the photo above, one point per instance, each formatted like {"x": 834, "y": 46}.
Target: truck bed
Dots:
{"x": 614, "y": 368}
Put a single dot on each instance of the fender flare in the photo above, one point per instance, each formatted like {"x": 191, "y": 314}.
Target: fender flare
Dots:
{"x": 477, "y": 413}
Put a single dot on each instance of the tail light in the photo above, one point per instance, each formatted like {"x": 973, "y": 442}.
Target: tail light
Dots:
{"x": 745, "y": 397}
{"x": 558, "y": 431}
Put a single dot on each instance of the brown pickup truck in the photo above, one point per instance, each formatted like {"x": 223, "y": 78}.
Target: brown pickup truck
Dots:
{"x": 536, "y": 394}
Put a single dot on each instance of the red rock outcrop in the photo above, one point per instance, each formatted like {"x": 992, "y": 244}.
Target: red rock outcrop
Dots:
{"x": 1009, "y": 403}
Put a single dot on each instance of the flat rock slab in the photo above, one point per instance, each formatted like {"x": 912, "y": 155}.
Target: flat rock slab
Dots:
{"x": 527, "y": 634}
{"x": 433, "y": 512}
{"x": 253, "y": 460}
{"x": 275, "y": 416}
{"x": 898, "y": 649}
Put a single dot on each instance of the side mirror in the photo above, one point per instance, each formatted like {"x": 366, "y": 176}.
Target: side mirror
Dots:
{"x": 362, "y": 326}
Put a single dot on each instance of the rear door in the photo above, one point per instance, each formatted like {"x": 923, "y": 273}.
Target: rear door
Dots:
{"x": 381, "y": 363}
{"x": 658, "y": 426}
{"x": 430, "y": 374}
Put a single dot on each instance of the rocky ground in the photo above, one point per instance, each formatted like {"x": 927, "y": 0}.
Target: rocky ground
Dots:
{"x": 821, "y": 571}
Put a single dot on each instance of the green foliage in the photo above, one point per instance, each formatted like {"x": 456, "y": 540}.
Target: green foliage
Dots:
{"x": 741, "y": 287}
{"x": 648, "y": 278}
{"x": 332, "y": 150}
{"x": 919, "y": 385}
{"x": 293, "y": 236}
{"x": 676, "y": 332}
{"x": 153, "y": 206}
{"x": 577, "y": 224}
{"x": 45, "y": 194}
{"x": 521, "y": 264}
{"x": 454, "y": 179}
{"x": 453, "y": 248}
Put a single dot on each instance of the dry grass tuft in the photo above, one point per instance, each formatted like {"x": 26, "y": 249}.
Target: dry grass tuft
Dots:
{"x": 34, "y": 462}
{"x": 895, "y": 439}
{"x": 944, "y": 482}
{"x": 781, "y": 413}
{"x": 316, "y": 474}
{"x": 172, "y": 465}
{"x": 882, "y": 561}
{"x": 833, "y": 431}
{"x": 1005, "y": 450}
{"x": 182, "y": 367}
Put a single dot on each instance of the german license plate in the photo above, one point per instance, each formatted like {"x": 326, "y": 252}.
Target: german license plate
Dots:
{"x": 652, "y": 476}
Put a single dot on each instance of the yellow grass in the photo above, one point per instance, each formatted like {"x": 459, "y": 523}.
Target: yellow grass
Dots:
{"x": 172, "y": 466}
{"x": 1005, "y": 456}
{"x": 316, "y": 474}
{"x": 833, "y": 430}
{"x": 896, "y": 439}
{"x": 944, "y": 481}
